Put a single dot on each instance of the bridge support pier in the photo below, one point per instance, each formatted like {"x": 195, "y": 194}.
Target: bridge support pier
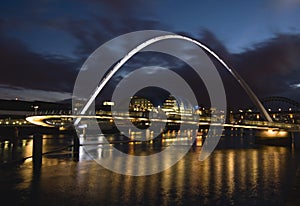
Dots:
{"x": 37, "y": 150}
{"x": 76, "y": 145}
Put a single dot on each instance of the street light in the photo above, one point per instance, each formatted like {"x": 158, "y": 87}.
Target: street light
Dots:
{"x": 35, "y": 109}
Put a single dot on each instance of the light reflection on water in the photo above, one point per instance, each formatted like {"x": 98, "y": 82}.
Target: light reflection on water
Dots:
{"x": 244, "y": 175}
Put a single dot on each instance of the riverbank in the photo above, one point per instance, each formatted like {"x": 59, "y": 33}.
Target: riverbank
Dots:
{"x": 15, "y": 131}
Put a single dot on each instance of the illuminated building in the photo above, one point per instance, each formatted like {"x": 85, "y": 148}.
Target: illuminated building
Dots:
{"x": 140, "y": 104}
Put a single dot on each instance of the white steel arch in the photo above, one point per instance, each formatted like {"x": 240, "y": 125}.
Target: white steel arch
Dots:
{"x": 244, "y": 85}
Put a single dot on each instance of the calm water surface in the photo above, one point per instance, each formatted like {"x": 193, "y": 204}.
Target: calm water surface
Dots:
{"x": 237, "y": 173}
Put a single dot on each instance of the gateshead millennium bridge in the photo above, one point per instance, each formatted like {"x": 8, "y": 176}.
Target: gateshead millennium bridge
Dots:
{"x": 63, "y": 120}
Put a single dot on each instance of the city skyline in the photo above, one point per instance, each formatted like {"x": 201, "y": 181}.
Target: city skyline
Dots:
{"x": 44, "y": 44}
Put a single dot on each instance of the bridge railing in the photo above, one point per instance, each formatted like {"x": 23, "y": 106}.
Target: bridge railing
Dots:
{"x": 272, "y": 124}
{"x": 50, "y": 112}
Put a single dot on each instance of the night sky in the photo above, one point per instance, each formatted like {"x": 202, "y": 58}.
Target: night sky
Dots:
{"x": 44, "y": 43}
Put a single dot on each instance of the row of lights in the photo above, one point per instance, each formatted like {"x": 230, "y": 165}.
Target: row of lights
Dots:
{"x": 249, "y": 110}
{"x": 14, "y": 122}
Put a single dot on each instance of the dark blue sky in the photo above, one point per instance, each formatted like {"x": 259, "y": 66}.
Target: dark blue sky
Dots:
{"x": 44, "y": 43}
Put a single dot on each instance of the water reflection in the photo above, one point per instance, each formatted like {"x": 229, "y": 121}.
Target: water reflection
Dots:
{"x": 249, "y": 175}
{"x": 15, "y": 149}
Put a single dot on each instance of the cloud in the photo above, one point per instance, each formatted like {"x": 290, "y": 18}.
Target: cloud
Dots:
{"x": 22, "y": 68}
{"x": 273, "y": 66}
{"x": 12, "y": 92}
{"x": 91, "y": 35}
{"x": 270, "y": 68}
{"x": 99, "y": 21}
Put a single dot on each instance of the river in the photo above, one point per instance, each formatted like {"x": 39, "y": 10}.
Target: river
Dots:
{"x": 238, "y": 172}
